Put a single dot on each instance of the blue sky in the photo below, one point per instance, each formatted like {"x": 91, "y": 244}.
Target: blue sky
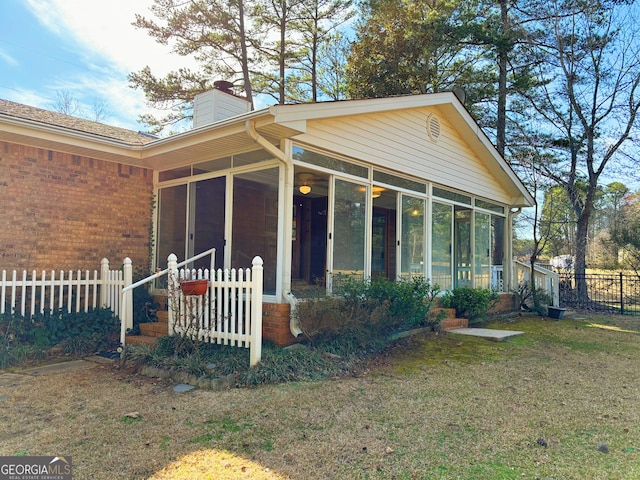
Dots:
{"x": 84, "y": 47}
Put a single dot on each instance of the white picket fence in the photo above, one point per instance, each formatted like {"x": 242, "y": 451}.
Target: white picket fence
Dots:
{"x": 229, "y": 313}
{"x": 72, "y": 291}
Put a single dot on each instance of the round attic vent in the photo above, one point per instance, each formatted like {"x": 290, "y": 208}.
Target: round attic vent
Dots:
{"x": 433, "y": 127}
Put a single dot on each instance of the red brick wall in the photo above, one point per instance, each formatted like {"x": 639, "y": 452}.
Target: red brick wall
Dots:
{"x": 275, "y": 323}
{"x": 506, "y": 304}
{"x": 65, "y": 211}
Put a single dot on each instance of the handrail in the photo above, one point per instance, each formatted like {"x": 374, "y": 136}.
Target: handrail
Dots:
{"x": 127, "y": 301}
{"x": 551, "y": 279}
{"x": 166, "y": 270}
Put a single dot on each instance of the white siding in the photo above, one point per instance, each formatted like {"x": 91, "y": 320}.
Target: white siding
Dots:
{"x": 398, "y": 141}
{"x": 215, "y": 105}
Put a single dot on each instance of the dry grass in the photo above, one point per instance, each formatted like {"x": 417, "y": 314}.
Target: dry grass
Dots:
{"x": 431, "y": 408}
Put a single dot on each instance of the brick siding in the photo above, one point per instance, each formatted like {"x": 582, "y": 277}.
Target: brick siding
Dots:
{"x": 64, "y": 211}
{"x": 275, "y": 323}
{"x": 507, "y": 303}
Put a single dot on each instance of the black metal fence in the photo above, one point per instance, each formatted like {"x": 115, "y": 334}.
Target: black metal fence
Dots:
{"x": 613, "y": 293}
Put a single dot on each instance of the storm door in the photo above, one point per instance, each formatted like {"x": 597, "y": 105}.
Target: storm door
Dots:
{"x": 462, "y": 247}
{"x": 412, "y": 244}
{"x": 207, "y": 220}
{"x": 441, "y": 247}
{"x": 497, "y": 253}
{"x": 482, "y": 257}
{"x": 348, "y": 236}
{"x": 383, "y": 233}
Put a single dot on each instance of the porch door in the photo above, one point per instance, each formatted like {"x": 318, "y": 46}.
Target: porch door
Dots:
{"x": 441, "y": 247}
{"x": 462, "y": 247}
{"x": 497, "y": 253}
{"x": 383, "y": 233}
{"x": 482, "y": 254}
{"x": 171, "y": 224}
{"x": 412, "y": 244}
{"x": 207, "y": 220}
{"x": 348, "y": 235}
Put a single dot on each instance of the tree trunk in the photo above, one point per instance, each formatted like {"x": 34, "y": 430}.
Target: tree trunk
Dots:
{"x": 503, "y": 55}
{"x": 582, "y": 230}
{"x": 283, "y": 66}
{"x": 248, "y": 91}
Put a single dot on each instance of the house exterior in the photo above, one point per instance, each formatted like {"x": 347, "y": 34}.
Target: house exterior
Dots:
{"x": 393, "y": 187}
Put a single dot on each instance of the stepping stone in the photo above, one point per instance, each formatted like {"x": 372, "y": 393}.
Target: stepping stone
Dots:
{"x": 183, "y": 387}
{"x": 489, "y": 333}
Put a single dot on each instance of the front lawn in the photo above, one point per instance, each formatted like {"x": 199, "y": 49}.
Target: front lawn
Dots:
{"x": 560, "y": 402}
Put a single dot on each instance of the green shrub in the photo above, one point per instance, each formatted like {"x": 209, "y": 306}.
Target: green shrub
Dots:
{"x": 365, "y": 313}
{"x": 529, "y": 300}
{"x": 78, "y": 333}
{"x": 99, "y": 327}
{"x": 471, "y": 303}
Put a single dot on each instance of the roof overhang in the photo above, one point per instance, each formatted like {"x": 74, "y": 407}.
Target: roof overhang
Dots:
{"x": 274, "y": 123}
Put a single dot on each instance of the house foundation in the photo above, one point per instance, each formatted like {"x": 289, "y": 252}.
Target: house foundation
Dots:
{"x": 275, "y": 324}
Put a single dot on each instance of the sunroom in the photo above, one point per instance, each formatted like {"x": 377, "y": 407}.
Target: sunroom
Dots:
{"x": 395, "y": 187}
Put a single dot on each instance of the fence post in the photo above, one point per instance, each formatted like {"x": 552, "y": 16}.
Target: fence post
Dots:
{"x": 621, "y": 294}
{"x": 172, "y": 286}
{"x": 127, "y": 301}
{"x": 104, "y": 280}
{"x": 255, "y": 348}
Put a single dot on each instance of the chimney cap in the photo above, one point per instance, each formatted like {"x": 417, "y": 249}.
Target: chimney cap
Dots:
{"x": 223, "y": 86}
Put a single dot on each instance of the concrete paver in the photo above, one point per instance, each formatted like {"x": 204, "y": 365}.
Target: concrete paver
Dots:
{"x": 488, "y": 333}
{"x": 10, "y": 379}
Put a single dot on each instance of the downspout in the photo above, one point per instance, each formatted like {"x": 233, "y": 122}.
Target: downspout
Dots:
{"x": 512, "y": 215}
{"x": 250, "y": 128}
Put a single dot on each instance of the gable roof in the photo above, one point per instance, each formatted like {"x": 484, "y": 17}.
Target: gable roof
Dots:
{"x": 50, "y": 130}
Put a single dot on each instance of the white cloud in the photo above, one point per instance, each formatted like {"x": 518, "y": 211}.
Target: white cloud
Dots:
{"x": 104, "y": 28}
{"x": 109, "y": 48}
{"x": 5, "y": 57}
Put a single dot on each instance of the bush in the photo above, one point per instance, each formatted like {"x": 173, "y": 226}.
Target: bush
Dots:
{"x": 78, "y": 333}
{"x": 471, "y": 303}
{"x": 365, "y": 313}
{"x": 528, "y": 300}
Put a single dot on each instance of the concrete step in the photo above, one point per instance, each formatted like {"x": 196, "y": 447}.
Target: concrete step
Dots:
{"x": 488, "y": 333}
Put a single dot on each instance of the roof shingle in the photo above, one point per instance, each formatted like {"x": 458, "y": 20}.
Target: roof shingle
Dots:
{"x": 18, "y": 110}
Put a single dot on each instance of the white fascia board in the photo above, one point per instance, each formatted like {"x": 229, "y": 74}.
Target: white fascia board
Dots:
{"x": 57, "y": 134}
{"x": 342, "y": 108}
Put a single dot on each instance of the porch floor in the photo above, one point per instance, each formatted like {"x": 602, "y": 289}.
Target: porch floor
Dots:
{"x": 488, "y": 333}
